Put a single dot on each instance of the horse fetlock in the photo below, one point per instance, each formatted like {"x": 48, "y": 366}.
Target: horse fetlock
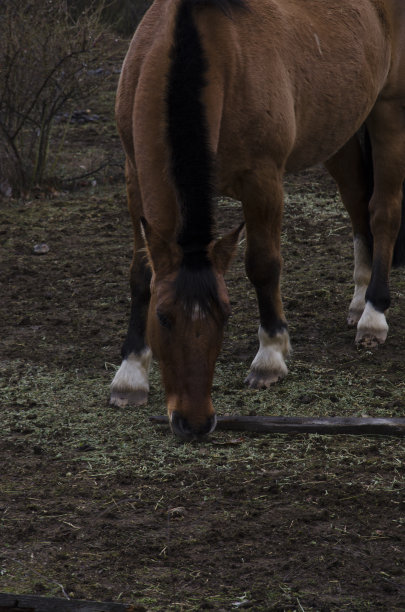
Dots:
{"x": 130, "y": 384}
{"x": 372, "y": 328}
{"x": 357, "y": 305}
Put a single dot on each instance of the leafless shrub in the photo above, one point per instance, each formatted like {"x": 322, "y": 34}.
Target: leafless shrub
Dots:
{"x": 48, "y": 62}
{"x": 123, "y": 15}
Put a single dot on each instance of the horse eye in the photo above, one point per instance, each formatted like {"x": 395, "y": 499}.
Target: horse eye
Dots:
{"x": 163, "y": 320}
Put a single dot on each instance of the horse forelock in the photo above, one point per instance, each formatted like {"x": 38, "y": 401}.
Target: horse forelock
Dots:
{"x": 196, "y": 288}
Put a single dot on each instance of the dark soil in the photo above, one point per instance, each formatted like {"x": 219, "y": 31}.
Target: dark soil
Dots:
{"x": 96, "y": 503}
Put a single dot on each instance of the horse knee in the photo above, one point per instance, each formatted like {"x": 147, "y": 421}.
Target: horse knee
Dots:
{"x": 140, "y": 277}
{"x": 263, "y": 271}
{"x": 385, "y": 217}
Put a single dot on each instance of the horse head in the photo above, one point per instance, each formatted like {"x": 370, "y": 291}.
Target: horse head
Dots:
{"x": 188, "y": 310}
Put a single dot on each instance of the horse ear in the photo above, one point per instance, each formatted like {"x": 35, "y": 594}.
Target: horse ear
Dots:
{"x": 224, "y": 249}
{"x": 162, "y": 256}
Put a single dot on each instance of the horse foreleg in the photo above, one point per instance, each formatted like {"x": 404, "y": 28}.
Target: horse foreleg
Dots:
{"x": 262, "y": 200}
{"x": 349, "y": 169}
{"x": 130, "y": 384}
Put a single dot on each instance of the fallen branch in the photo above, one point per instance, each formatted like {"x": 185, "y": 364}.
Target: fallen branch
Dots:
{"x": 321, "y": 425}
{"x": 89, "y": 173}
{"x": 34, "y": 603}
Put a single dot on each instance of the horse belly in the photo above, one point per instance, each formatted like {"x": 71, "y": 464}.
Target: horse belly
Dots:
{"x": 325, "y": 138}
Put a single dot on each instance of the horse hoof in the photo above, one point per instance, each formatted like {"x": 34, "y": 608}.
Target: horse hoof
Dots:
{"x": 372, "y": 328}
{"x": 257, "y": 379}
{"x": 368, "y": 341}
{"x": 128, "y": 398}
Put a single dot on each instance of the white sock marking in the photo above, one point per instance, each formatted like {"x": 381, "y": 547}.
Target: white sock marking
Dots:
{"x": 372, "y": 323}
{"x": 133, "y": 373}
{"x": 271, "y": 353}
{"x": 361, "y": 277}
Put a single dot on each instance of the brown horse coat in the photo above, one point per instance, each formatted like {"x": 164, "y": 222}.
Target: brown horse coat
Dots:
{"x": 246, "y": 92}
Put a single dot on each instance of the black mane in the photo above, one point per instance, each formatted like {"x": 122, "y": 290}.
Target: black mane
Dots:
{"x": 192, "y": 161}
{"x": 192, "y": 164}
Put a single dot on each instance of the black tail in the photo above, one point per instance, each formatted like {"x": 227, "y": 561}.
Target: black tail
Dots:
{"x": 398, "y": 258}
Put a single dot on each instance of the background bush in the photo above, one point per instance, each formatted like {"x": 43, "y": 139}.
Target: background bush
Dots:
{"x": 123, "y": 15}
{"x": 49, "y": 64}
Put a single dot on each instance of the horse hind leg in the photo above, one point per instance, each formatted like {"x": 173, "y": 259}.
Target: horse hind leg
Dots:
{"x": 349, "y": 169}
{"x": 386, "y": 126}
{"x": 130, "y": 384}
{"x": 262, "y": 200}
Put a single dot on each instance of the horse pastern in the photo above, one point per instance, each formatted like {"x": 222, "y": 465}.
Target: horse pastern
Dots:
{"x": 132, "y": 375}
{"x": 372, "y": 328}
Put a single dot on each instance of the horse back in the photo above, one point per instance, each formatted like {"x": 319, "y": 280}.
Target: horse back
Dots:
{"x": 280, "y": 76}
{"x": 307, "y": 75}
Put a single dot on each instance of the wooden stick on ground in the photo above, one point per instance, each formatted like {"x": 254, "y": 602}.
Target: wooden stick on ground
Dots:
{"x": 321, "y": 425}
{"x": 35, "y": 603}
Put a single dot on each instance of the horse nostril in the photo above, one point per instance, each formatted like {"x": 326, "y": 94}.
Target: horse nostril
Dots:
{"x": 209, "y": 426}
{"x": 181, "y": 427}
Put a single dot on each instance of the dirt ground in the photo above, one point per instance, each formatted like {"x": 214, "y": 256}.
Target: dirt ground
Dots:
{"x": 97, "y": 503}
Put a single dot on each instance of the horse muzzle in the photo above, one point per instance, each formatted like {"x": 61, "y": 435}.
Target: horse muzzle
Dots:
{"x": 186, "y": 431}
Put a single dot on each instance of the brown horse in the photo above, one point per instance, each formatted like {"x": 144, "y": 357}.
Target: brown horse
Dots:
{"x": 225, "y": 96}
